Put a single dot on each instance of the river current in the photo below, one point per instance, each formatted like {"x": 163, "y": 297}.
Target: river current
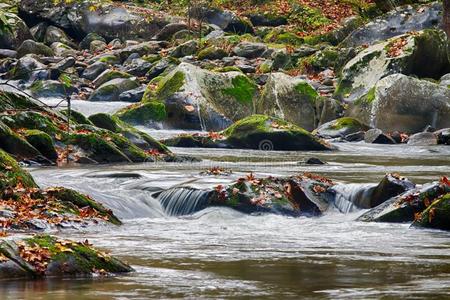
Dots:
{"x": 220, "y": 253}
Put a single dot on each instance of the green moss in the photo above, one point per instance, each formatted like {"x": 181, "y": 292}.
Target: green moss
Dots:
{"x": 104, "y": 121}
{"x": 169, "y": 86}
{"x": 289, "y": 38}
{"x": 42, "y": 142}
{"x": 212, "y": 52}
{"x": 227, "y": 69}
{"x": 345, "y": 122}
{"x": 265, "y": 67}
{"x": 142, "y": 113}
{"x": 77, "y": 117}
{"x": 243, "y": 89}
{"x": 109, "y": 59}
{"x": 31, "y": 120}
{"x": 436, "y": 215}
{"x": 307, "y": 90}
{"x": 11, "y": 173}
{"x": 151, "y": 58}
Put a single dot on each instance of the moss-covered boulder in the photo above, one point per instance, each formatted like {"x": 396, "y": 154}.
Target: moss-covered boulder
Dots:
{"x": 270, "y": 133}
{"x": 14, "y": 144}
{"x": 108, "y": 75}
{"x": 104, "y": 121}
{"x": 340, "y": 128}
{"x": 212, "y": 52}
{"x": 408, "y": 206}
{"x": 43, "y": 255}
{"x": 12, "y": 174}
{"x": 42, "y": 142}
{"x": 143, "y": 113}
{"x": 13, "y": 35}
{"x": 402, "y": 103}
{"x": 423, "y": 54}
{"x": 32, "y": 47}
{"x": 51, "y": 88}
{"x": 292, "y": 99}
{"x": 195, "y": 98}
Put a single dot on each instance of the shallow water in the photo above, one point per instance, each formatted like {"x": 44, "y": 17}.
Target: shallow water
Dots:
{"x": 220, "y": 253}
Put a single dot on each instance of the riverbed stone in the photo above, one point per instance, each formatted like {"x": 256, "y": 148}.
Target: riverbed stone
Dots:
{"x": 111, "y": 90}
{"x": 32, "y": 47}
{"x": 341, "y": 127}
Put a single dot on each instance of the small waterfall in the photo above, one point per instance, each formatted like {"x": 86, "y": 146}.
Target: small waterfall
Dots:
{"x": 183, "y": 201}
{"x": 349, "y": 197}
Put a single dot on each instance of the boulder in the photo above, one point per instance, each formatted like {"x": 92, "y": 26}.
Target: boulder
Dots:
{"x": 62, "y": 50}
{"x": 89, "y": 38}
{"x": 185, "y": 49}
{"x": 423, "y": 54}
{"x": 376, "y": 136}
{"x": 51, "y": 88}
{"x": 13, "y": 173}
{"x": 42, "y": 142}
{"x": 405, "y": 104}
{"x": 396, "y": 22}
{"x": 32, "y": 47}
{"x": 169, "y": 30}
{"x": 15, "y": 34}
{"x": 290, "y": 98}
{"x": 407, "y": 206}
{"x": 226, "y": 20}
{"x": 29, "y": 68}
{"x": 38, "y": 31}
{"x": 111, "y": 90}
{"x": 14, "y": 144}
{"x": 270, "y": 133}
{"x": 249, "y": 50}
{"x": 212, "y": 52}
{"x": 423, "y": 139}
{"x": 54, "y": 34}
{"x": 107, "y": 20}
{"x": 436, "y": 215}
{"x": 94, "y": 70}
{"x": 109, "y": 75}
{"x": 195, "y": 98}
{"x": 340, "y": 128}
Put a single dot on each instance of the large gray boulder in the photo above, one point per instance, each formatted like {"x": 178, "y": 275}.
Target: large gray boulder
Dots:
{"x": 422, "y": 53}
{"x": 108, "y": 20}
{"x": 402, "y": 103}
{"x": 397, "y": 22}
{"x": 111, "y": 90}
{"x": 290, "y": 98}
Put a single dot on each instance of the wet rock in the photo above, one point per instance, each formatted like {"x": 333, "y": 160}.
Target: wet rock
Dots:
{"x": 158, "y": 68}
{"x": 32, "y": 47}
{"x": 111, "y": 90}
{"x": 94, "y": 70}
{"x": 376, "y": 136}
{"x": 6, "y": 53}
{"x": 137, "y": 67}
{"x": 269, "y": 133}
{"x": 109, "y": 75}
{"x": 313, "y": 161}
{"x": 12, "y": 143}
{"x": 423, "y": 139}
{"x": 403, "y": 103}
{"x": 56, "y": 258}
{"x": 362, "y": 72}
{"x": 42, "y": 142}
{"x": 29, "y": 68}
{"x": 249, "y": 50}
{"x": 443, "y": 136}
{"x": 62, "y": 50}
{"x": 340, "y": 128}
{"x": 396, "y": 22}
{"x": 436, "y": 215}
{"x": 405, "y": 207}
{"x": 134, "y": 95}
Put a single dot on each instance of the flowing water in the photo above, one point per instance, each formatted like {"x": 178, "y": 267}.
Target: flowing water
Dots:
{"x": 220, "y": 253}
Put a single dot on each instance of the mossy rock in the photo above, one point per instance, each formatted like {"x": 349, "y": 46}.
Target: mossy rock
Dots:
{"x": 51, "y": 88}
{"x": 212, "y": 53}
{"x": 109, "y": 75}
{"x": 168, "y": 86}
{"x": 12, "y": 99}
{"x": 340, "y": 128}
{"x": 111, "y": 90}
{"x": 104, "y": 121}
{"x": 12, "y": 174}
{"x": 243, "y": 90}
{"x": 81, "y": 201}
{"x": 77, "y": 117}
{"x": 64, "y": 258}
{"x": 270, "y": 133}
{"x": 42, "y": 142}
{"x": 32, "y": 47}
{"x": 97, "y": 147}
{"x": 143, "y": 113}
{"x": 32, "y": 120}
{"x": 14, "y": 144}
{"x": 227, "y": 69}
{"x": 437, "y": 215}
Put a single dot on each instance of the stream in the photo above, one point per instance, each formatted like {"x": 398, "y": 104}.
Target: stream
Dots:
{"x": 220, "y": 253}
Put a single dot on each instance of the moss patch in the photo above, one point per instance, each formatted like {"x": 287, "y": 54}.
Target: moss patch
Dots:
{"x": 243, "y": 90}
{"x": 11, "y": 173}
{"x": 307, "y": 90}
{"x": 169, "y": 86}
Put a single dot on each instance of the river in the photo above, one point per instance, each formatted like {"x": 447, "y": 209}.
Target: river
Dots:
{"x": 220, "y": 253}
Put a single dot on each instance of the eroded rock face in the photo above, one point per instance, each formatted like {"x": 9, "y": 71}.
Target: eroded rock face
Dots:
{"x": 396, "y": 22}
{"x": 109, "y": 21}
{"x": 405, "y": 104}
{"x": 423, "y": 54}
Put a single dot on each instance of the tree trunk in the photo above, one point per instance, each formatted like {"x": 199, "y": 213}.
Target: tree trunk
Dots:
{"x": 446, "y": 17}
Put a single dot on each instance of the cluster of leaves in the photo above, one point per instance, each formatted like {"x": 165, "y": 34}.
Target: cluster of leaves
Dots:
{"x": 217, "y": 171}
{"x": 428, "y": 200}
